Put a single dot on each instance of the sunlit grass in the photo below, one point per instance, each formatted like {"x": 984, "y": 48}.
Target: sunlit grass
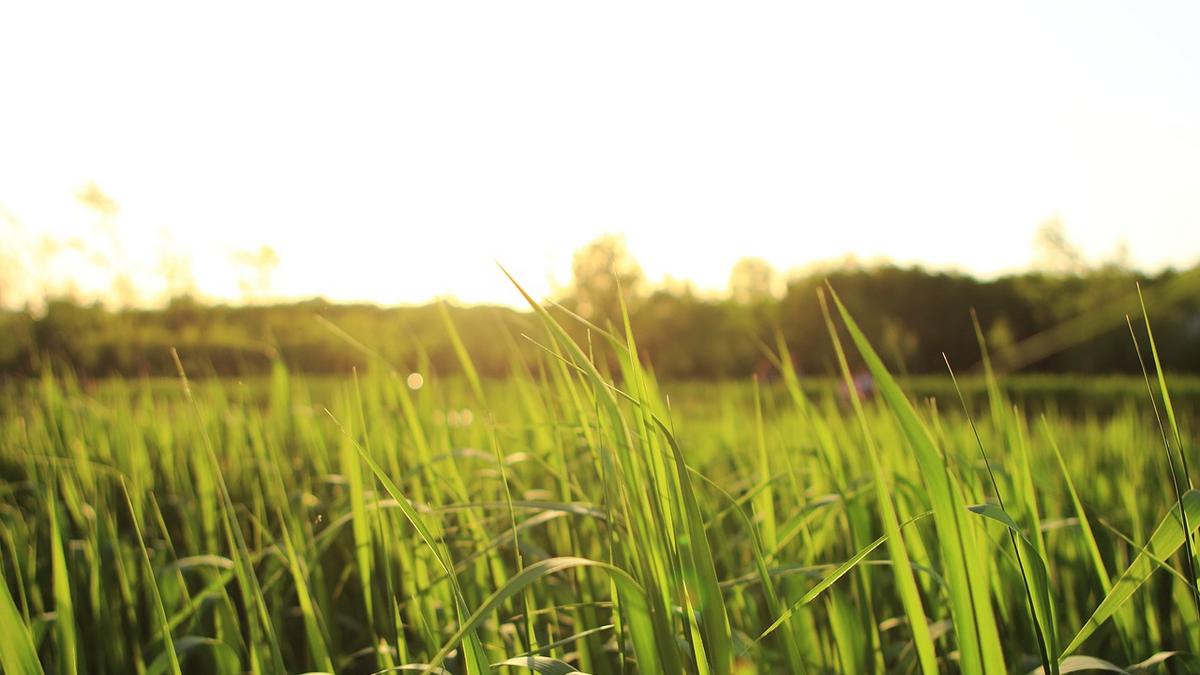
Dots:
{"x": 583, "y": 516}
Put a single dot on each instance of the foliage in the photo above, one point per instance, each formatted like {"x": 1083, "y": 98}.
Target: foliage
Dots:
{"x": 1042, "y": 322}
{"x": 584, "y": 516}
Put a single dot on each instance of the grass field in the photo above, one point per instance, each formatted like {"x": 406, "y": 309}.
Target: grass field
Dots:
{"x": 584, "y": 518}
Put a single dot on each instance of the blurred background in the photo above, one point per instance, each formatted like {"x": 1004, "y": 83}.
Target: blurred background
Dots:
{"x": 247, "y": 183}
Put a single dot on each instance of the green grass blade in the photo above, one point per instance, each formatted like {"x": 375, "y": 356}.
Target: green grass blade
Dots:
{"x": 17, "y": 655}
{"x": 475, "y": 656}
{"x": 1078, "y": 664}
{"x": 464, "y": 357}
{"x": 1179, "y": 486}
{"x": 906, "y": 584}
{"x": 1085, "y": 525}
{"x": 1166, "y": 539}
{"x": 160, "y": 612}
{"x": 1166, "y": 393}
{"x": 313, "y": 631}
{"x": 64, "y": 620}
{"x": 712, "y": 603}
{"x": 1031, "y": 561}
{"x": 1034, "y": 572}
{"x": 542, "y": 665}
{"x": 634, "y": 604}
{"x": 832, "y": 578}
{"x": 255, "y": 604}
{"x": 970, "y": 604}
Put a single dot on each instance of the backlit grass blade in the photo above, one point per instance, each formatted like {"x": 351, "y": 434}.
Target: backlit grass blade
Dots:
{"x": 632, "y": 595}
{"x": 1077, "y": 664}
{"x": 64, "y": 620}
{"x": 313, "y": 631}
{"x": 712, "y": 603}
{"x": 716, "y": 647}
{"x": 187, "y": 645}
{"x": 1166, "y": 539}
{"x": 1124, "y": 621}
{"x": 255, "y": 604}
{"x": 1177, "y": 483}
{"x": 906, "y": 584}
{"x": 1085, "y": 526}
{"x": 664, "y": 655}
{"x": 542, "y": 665}
{"x": 795, "y": 659}
{"x": 1193, "y": 553}
{"x": 978, "y": 642}
{"x": 1166, "y": 393}
{"x": 475, "y": 656}
{"x": 360, "y": 524}
{"x": 168, "y": 644}
{"x": 1031, "y": 564}
{"x": 17, "y": 655}
{"x": 832, "y": 578}
{"x": 764, "y": 500}
{"x": 1034, "y": 573}
{"x": 464, "y": 357}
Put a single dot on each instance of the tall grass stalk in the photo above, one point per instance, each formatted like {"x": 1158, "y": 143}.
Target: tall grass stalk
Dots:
{"x": 585, "y": 516}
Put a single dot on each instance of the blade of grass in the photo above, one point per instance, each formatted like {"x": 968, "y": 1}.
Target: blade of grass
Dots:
{"x": 1085, "y": 526}
{"x": 970, "y": 604}
{"x": 906, "y": 584}
{"x": 1190, "y": 558}
{"x": 64, "y": 619}
{"x": 1164, "y": 541}
{"x": 251, "y": 590}
{"x": 313, "y": 631}
{"x": 1034, "y": 576}
{"x": 17, "y": 655}
{"x": 475, "y": 656}
{"x": 160, "y": 611}
{"x": 1166, "y": 393}
{"x": 832, "y": 578}
{"x": 637, "y": 612}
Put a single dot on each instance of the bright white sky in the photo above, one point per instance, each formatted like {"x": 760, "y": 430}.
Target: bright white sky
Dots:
{"x": 390, "y": 152}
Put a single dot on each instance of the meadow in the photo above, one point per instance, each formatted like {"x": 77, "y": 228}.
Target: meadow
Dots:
{"x": 583, "y": 516}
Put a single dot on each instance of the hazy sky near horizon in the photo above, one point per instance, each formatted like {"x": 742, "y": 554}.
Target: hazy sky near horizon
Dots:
{"x": 390, "y": 152}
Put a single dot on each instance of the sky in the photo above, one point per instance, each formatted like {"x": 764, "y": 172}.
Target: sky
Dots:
{"x": 393, "y": 152}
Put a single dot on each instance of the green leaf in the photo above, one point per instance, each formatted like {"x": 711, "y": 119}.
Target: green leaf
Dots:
{"x": 632, "y": 595}
{"x": 17, "y": 655}
{"x": 832, "y": 578}
{"x": 975, "y": 627}
{"x": 541, "y": 664}
{"x": 1077, "y": 664}
{"x": 1165, "y": 540}
{"x": 1034, "y": 571}
{"x": 64, "y": 622}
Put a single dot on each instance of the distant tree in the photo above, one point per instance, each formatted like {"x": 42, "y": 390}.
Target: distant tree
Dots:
{"x": 259, "y": 264}
{"x": 1054, "y": 252}
{"x": 176, "y": 270}
{"x": 107, "y": 251}
{"x": 911, "y": 315}
{"x": 1000, "y": 335}
{"x": 600, "y": 272}
{"x": 753, "y": 280}
{"x": 676, "y": 286}
{"x": 1120, "y": 259}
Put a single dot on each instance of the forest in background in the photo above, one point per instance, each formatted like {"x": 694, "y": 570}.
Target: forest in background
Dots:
{"x": 1067, "y": 318}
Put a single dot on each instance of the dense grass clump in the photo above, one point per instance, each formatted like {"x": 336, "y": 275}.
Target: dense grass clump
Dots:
{"x": 585, "y": 517}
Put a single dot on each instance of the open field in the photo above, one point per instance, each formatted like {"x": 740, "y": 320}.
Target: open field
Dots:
{"x": 597, "y": 520}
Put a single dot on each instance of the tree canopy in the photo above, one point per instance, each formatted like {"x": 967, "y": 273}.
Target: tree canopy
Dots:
{"x": 1052, "y": 321}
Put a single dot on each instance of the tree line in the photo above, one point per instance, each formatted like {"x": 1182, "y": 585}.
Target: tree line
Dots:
{"x": 1045, "y": 321}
